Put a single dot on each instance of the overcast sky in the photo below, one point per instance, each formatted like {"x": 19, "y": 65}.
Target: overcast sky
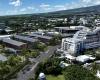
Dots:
{"x": 12, "y": 7}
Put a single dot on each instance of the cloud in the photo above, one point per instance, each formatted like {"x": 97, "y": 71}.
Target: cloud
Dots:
{"x": 15, "y": 2}
{"x": 31, "y": 8}
{"x": 23, "y": 9}
{"x": 44, "y": 5}
{"x": 74, "y": 4}
{"x": 60, "y": 7}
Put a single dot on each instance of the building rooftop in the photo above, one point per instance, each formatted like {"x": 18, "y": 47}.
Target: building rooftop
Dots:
{"x": 25, "y": 38}
{"x": 71, "y": 28}
{"x": 40, "y": 36}
{"x": 84, "y": 58}
{"x": 4, "y": 36}
{"x": 13, "y": 42}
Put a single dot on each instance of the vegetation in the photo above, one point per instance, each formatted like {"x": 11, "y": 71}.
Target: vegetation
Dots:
{"x": 13, "y": 64}
{"x": 52, "y": 77}
{"x": 93, "y": 52}
{"x": 55, "y": 40}
{"x": 30, "y": 53}
{"x": 75, "y": 72}
{"x": 95, "y": 67}
{"x": 40, "y": 46}
{"x": 50, "y": 66}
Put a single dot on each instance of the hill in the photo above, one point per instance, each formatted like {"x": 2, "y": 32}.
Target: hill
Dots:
{"x": 78, "y": 11}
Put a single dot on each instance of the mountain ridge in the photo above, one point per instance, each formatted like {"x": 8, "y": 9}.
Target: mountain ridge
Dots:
{"x": 77, "y": 11}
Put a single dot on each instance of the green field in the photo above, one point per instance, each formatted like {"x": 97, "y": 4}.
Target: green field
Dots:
{"x": 51, "y": 77}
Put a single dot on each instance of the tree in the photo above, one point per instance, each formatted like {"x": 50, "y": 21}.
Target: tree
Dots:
{"x": 55, "y": 40}
{"x": 4, "y": 69}
{"x": 40, "y": 46}
{"x": 51, "y": 66}
{"x": 14, "y": 60}
{"x": 75, "y": 72}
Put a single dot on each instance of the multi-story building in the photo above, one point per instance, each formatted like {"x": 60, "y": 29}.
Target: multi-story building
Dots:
{"x": 69, "y": 31}
{"x": 97, "y": 22}
{"x": 83, "y": 39}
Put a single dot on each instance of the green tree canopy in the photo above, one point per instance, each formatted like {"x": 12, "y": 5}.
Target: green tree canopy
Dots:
{"x": 75, "y": 72}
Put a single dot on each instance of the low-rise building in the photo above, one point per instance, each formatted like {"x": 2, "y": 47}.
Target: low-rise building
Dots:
{"x": 14, "y": 44}
{"x": 41, "y": 37}
{"x": 29, "y": 41}
{"x": 5, "y": 36}
{"x": 84, "y": 58}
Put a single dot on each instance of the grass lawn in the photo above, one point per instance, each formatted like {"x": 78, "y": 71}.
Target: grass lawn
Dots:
{"x": 51, "y": 77}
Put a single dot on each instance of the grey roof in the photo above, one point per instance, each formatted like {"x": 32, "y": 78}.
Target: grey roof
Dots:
{"x": 25, "y": 38}
{"x": 40, "y": 36}
{"x": 13, "y": 42}
{"x": 66, "y": 28}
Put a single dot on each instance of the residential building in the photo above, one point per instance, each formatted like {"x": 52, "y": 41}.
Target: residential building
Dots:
{"x": 97, "y": 22}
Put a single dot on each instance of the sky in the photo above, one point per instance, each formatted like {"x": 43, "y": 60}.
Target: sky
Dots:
{"x": 13, "y": 7}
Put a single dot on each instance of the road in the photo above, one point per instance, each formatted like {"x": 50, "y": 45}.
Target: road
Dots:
{"x": 47, "y": 54}
{"x": 30, "y": 73}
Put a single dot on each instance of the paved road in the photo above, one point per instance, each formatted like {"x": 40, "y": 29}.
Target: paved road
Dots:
{"x": 47, "y": 54}
{"x": 40, "y": 58}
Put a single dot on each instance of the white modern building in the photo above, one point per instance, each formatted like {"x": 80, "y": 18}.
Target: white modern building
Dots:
{"x": 83, "y": 39}
{"x": 69, "y": 31}
{"x": 97, "y": 22}
{"x": 83, "y": 21}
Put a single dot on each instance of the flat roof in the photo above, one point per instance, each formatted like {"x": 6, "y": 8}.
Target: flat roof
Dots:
{"x": 13, "y": 42}
{"x": 3, "y": 36}
{"x": 25, "y": 38}
{"x": 69, "y": 28}
{"x": 83, "y": 58}
{"x": 40, "y": 36}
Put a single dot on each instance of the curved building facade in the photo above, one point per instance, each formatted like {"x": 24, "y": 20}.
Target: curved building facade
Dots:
{"x": 83, "y": 39}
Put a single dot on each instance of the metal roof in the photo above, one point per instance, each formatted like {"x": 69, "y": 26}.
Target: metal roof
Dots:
{"x": 25, "y": 38}
{"x": 13, "y": 42}
{"x": 40, "y": 36}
